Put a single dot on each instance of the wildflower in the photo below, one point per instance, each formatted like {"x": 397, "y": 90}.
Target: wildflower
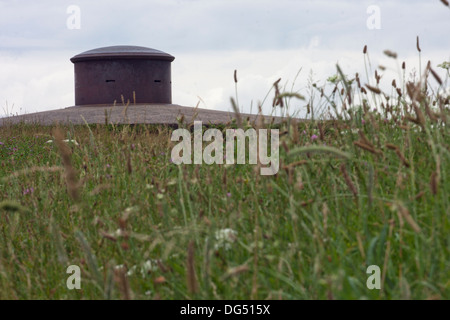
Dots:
{"x": 145, "y": 268}
{"x": 224, "y": 238}
{"x": 130, "y": 210}
{"x": 28, "y": 191}
{"x": 1, "y": 143}
{"x": 72, "y": 141}
{"x": 131, "y": 271}
{"x": 149, "y": 266}
{"x": 66, "y": 141}
{"x": 363, "y": 121}
{"x": 228, "y": 194}
{"x": 314, "y": 137}
{"x": 119, "y": 233}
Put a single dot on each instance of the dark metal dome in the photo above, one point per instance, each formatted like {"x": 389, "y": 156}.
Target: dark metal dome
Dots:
{"x": 109, "y": 74}
{"x": 122, "y": 52}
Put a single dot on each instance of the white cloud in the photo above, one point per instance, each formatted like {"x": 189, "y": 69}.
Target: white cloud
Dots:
{"x": 35, "y": 81}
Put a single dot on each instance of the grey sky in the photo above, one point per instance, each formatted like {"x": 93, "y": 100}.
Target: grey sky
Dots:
{"x": 262, "y": 39}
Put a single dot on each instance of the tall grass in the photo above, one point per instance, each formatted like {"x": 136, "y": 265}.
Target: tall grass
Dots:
{"x": 365, "y": 185}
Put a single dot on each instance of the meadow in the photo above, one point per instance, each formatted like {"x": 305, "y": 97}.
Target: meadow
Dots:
{"x": 362, "y": 183}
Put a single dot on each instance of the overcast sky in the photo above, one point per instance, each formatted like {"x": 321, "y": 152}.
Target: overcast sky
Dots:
{"x": 263, "y": 39}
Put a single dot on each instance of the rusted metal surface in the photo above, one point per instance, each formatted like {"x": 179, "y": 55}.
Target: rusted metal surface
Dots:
{"x": 104, "y": 75}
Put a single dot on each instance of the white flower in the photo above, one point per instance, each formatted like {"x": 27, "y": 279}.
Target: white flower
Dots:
{"x": 132, "y": 210}
{"x": 72, "y": 141}
{"x": 159, "y": 196}
{"x": 224, "y": 238}
{"x": 352, "y": 131}
{"x": 66, "y": 141}
{"x": 144, "y": 269}
{"x": 118, "y": 233}
{"x": 149, "y": 266}
{"x": 131, "y": 271}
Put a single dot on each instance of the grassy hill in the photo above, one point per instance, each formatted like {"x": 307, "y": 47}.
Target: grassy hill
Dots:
{"x": 369, "y": 187}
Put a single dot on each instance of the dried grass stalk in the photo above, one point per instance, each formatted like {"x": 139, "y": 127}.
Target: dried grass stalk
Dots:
{"x": 70, "y": 173}
{"x": 191, "y": 277}
{"x": 120, "y": 276}
{"x": 373, "y": 89}
{"x": 404, "y": 212}
{"x": 348, "y": 181}
{"x": 399, "y": 154}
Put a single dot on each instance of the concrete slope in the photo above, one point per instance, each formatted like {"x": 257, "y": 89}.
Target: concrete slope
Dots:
{"x": 133, "y": 114}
